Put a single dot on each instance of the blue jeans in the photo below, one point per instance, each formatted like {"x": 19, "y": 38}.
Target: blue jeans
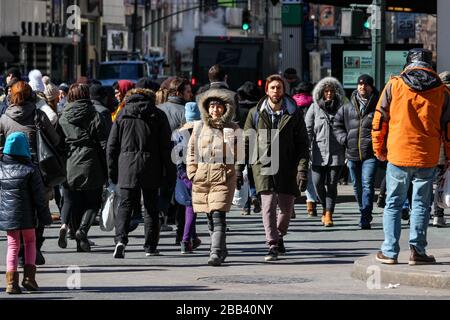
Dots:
{"x": 310, "y": 191}
{"x": 397, "y": 182}
{"x": 363, "y": 178}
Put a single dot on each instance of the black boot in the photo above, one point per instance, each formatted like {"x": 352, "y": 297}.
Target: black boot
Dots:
{"x": 40, "y": 260}
{"x": 152, "y": 231}
{"x": 81, "y": 234}
{"x": 217, "y": 228}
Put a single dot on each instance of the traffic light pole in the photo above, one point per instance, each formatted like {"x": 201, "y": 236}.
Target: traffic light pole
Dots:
{"x": 266, "y": 22}
{"x": 379, "y": 42}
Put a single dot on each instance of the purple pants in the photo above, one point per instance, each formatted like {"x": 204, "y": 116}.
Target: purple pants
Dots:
{"x": 189, "y": 225}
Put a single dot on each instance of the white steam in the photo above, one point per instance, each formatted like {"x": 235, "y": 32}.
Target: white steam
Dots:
{"x": 212, "y": 25}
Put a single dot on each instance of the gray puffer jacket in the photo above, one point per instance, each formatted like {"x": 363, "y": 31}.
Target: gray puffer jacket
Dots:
{"x": 174, "y": 110}
{"x": 325, "y": 149}
{"x": 22, "y": 118}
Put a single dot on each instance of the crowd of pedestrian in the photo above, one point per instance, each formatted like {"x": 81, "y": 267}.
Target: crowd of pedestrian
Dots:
{"x": 184, "y": 154}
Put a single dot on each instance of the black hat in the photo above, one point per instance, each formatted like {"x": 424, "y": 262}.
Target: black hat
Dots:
{"x": 249, "y": 91}
{"x": 64, "y": 87}
{"x": 304, "y": 87}
{"x": 365, "y": 79}
{"x": 146, "y": 83}
{"x": 419, "y": 55}
{"x": 97, "y": 92}
{"x": 290, "y": 73}
{"x": 15, "y": 72}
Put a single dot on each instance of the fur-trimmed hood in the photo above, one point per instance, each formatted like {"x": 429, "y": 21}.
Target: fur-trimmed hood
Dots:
{"x": 226, "y": 96}
{"x": 325, "y": 82}
{"x": 139, "y": 102}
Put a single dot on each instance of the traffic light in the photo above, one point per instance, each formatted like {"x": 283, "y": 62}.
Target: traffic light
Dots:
{"x": 353, "y": 22}
{"x": 246, "y": 20}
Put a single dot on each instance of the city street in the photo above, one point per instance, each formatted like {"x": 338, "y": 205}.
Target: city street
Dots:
{"x": 318, "y": 264}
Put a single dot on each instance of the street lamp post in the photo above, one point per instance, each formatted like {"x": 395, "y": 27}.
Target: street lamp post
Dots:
{"x": 135, "y": 25}
{"x": 378, "y": 25}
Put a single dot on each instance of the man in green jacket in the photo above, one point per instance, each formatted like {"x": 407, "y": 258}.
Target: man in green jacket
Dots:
{"x": 277, "y": 148}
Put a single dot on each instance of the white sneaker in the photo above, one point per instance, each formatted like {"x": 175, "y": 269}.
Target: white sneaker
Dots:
{"x": 439, "y": 222}
{"x": 119, "y": 252}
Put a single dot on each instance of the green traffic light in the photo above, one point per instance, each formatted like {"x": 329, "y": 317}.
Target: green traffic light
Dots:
{"x": 367, "y": 24}
{"x": 245, "y": 26}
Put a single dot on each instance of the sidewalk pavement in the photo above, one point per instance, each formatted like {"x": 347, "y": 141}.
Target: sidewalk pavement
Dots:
{"x": 434, "y": 276}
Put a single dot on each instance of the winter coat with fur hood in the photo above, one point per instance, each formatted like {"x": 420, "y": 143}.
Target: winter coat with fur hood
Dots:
{"x": 211, "y": 158}
{"x": 325, "y": 148}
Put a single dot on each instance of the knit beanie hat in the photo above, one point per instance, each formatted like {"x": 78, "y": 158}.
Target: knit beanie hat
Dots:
{"x": 445, "y": 77}
{"x": 46, "y": 80}
{"x": 17, "y": 145}
{"x": 64, "y": 87}
{"x": 35, "y": 82}
{"x": 51, "y": 92}
{"x": 191, "y": 111}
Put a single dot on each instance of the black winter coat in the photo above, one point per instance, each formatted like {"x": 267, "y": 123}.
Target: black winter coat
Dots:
{"x": 353, "y": 130}
{"x": 104, "y": 113}
{"x": 22, "y": 195}
{"x": 85, "y": 137}
{"x": 139, "y": 145}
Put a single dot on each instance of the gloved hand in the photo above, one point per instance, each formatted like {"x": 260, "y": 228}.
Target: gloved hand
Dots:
{"x": 239, "y": 180}
{"x": 302, "y": 180}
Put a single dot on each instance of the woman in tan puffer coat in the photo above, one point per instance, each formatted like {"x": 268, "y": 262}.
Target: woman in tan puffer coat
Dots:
{"x": 210, "y": 165}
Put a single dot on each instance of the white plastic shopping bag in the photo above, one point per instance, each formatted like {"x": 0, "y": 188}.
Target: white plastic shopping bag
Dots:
{"x": 109, "y": 210}
{"x": 241, "y": 196}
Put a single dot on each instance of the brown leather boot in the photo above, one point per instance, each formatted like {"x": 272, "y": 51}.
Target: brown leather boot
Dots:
{"x": 328, "y": 220}
{"x": 323, "y": 216}
{"x": 311, "y": 209}
{"x": 29, "y": 277}
{"x": 12, "y": 282}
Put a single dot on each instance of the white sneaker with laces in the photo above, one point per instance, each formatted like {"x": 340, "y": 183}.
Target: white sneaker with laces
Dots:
{"x": 119, "y": 252}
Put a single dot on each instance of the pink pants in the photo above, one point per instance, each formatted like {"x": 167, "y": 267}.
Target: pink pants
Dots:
{"x": 276, "y": 225}
{"x": 29, "y": 239}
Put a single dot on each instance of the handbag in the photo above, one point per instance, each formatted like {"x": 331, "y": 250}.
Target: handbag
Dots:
{"x": 51, "y": 166}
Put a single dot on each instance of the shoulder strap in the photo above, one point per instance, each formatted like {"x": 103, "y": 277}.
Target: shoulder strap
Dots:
{"x": 256, "y": 119}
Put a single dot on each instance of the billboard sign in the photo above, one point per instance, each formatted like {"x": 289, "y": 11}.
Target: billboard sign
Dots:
{"x": 356, "y": 63}
{"x": 349, "y": 61}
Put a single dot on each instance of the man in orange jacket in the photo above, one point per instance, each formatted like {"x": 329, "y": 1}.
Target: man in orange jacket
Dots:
{"x": 410, "y": 120}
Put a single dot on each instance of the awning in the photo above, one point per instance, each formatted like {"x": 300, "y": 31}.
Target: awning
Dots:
{"x": 5, "y": 55}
